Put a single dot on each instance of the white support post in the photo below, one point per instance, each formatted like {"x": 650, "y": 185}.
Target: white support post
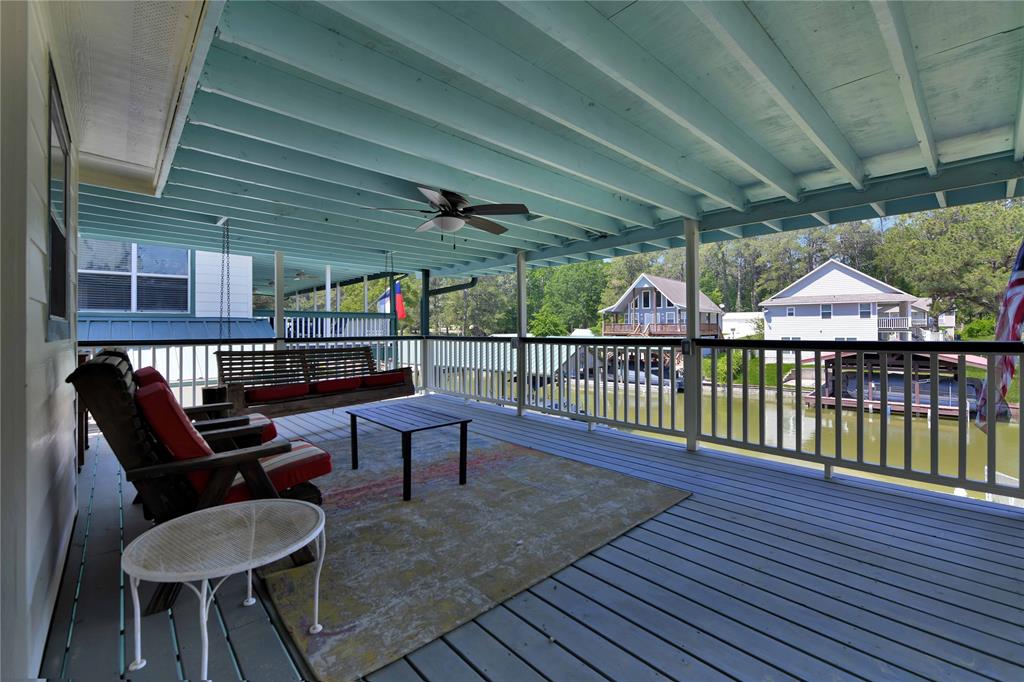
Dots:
{"x": 691, "y": 360}
{"x": 327, "y": 288}
{"x": 521, "y": 331}
{"x": 366, "y": 295}
{"x": 279, "y": 330}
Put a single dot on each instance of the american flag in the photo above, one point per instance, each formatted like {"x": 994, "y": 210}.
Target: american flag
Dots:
{"x": 1011, "y": 317}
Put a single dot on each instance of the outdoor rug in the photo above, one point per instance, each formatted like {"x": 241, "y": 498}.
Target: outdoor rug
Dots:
{"x": 400, "y": 574}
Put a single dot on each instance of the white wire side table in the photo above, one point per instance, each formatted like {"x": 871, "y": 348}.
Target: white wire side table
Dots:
{"x": 219, "y": 542}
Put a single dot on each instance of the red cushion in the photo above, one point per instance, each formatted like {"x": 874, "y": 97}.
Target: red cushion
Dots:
{"x": 269, "y": 432}
{"x": 337, "y": 385}
{"x": 266, "y": 394}
{"x": 304, "y": 462}
{"x": 173, "y": 428}
{"x": 147, "y": 376}
{"x": 384, "y": 379}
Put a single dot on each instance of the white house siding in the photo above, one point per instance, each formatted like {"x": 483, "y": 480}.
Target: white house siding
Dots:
{"x": 37, "y": 409}
{"x": 807, "y": 324}
{"x": 832, "y": 280}
{"x": 207, "y": 285}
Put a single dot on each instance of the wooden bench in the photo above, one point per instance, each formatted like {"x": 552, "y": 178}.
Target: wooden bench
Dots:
{"x": 282, "y": 382}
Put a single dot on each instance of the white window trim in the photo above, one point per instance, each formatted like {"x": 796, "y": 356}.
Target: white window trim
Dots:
{"x": 790, "y": 311}
{"x": 871, "y": 310}
{"x": 645, "y": 294}
{"x": 821, "y": 311}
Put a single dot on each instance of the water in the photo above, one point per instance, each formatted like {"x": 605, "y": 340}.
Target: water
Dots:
{"x": 630, "y": 403}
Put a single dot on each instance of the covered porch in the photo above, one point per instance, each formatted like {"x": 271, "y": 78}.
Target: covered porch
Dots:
{"x": 767, "y": 571}
{"x": 368, "y": 140}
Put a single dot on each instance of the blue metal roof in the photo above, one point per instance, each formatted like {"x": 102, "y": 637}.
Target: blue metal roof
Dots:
{"x": 141, "y": 328}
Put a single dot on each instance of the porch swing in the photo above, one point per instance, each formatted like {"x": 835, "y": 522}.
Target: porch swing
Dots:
{"x": 287, "y": 381}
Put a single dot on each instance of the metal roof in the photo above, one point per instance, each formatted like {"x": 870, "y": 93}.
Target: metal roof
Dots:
{"x": 611, "y": 121}
{"x": 139, "y": 328}
{"x": 879, "y": 297}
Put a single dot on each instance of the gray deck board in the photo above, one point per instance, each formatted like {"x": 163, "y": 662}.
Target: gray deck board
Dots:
{"x": 767, "y": 572}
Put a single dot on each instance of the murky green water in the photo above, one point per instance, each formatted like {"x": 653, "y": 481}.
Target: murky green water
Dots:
{"x": 660, "y": 408}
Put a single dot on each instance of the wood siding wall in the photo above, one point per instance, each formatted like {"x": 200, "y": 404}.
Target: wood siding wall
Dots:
{"x": 207, "y": 285}
{"x": 37, "y": 451}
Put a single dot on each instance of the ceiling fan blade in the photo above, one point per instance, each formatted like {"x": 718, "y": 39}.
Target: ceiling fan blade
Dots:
{"x": 496, "y": 209}
{"x": 485, "y": 225}
{"x": 429, "y": 225}
{"x": 455, "y": 200}
{"x": 388, "y": 208}
{"x": 434, "y": 197}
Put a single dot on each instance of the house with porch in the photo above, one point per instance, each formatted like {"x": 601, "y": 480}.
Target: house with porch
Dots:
{"x": 542, "y": 523}
{"x": 656, "y": 306}
{"x": 837, "y": 302}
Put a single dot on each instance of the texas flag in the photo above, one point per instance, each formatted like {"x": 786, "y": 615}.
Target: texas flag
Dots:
{"x": 384, "y": 302}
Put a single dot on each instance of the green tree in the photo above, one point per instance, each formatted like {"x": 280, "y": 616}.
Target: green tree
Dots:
{"x": 573, "y": 293}
{"x": 960, "y": 257}
{"x": 546, "y": 322}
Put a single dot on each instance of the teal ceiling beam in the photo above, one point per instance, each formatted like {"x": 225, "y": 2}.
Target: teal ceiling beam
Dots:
{"x": 585, "y": 31}
{"x": 370, "y": 222}
{"x": 332, "y": 199}
{"x": 454, "y": 44}
{"x": 215, "y": 152}
{"x": 268, "y": 88}
{"x": 741, "y": 33}
{"x": 435, "y": 251}
{"x": 283, "y": 36}
{"x": 265, "y": 126}
{"x": 245, "y": 242}
{"x": 329, "y": 235}
{"x": 896, "y": 34}
{"x": 965, "y": 183}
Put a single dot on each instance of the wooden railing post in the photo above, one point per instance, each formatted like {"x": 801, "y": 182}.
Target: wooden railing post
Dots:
{"x": 691, "y": 357}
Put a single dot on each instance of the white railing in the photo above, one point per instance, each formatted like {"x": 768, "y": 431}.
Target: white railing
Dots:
{"x": 318, "y": 324}
{"x": 842, "y": 405}
{"x": 896, "y": 323}
{"x": 856, "y": 406}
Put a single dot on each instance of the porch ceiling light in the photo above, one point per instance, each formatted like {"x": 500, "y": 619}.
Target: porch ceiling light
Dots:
{"x": 448, "y": 223}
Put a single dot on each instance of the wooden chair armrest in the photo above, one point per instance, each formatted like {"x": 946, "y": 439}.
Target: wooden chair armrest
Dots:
{"x": 209, "y": 411}
{"x": 233, "y": 432}
{"x": 230, "y": 458}
{"x": 221, "y": 423}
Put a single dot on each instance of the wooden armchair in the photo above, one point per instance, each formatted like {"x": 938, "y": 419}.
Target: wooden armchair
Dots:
{"x": 177, "y": 469}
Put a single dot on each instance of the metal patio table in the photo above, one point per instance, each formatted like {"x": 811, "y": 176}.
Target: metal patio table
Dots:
{"x": 219, "y": 542}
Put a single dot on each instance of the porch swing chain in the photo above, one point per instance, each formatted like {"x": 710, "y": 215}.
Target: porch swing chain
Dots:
{"x": 225, "y": 277}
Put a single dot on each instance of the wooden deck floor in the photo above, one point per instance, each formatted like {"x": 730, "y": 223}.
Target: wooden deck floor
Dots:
{"x": 765, "y": 572}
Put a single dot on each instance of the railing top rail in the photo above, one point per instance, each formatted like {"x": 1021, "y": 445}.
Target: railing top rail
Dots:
{"x": 1003, "y": 347}
{"x": 330, "y": 314}
{"x": 136, "y": 343}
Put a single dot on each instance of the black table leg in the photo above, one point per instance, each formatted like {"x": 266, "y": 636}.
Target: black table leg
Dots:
{"x": 355, "y": 441}
{"x": 463, "y": 428}
{"x": 406, "y": 466}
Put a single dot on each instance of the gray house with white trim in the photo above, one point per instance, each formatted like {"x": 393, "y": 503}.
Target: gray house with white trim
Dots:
{"x": 656, "y": 306}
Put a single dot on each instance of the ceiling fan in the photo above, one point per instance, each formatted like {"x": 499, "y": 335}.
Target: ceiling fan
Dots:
{"x": 452, "y": 212}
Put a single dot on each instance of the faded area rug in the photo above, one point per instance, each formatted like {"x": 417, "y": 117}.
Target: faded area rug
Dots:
{"x": 400, "y": 574}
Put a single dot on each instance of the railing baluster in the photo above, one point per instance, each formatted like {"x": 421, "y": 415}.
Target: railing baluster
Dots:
{"x": 761, "y": 411}
{"x": 818, "y": 390}
{"x": 883, "y": 410}
{"x": 908, "y": 410}
{"x": 860, "y": 407}
{"x": 990, "y": 465}
{"x": 728, "y": 397}
{"x": 779, "y": 402}
{"x": 647, "y": 381}
{"x": 714, "y": 390}
{"x": 839, "y": 391}
{"x": 933, "y": 398}
{"x": 798, "y": 403}
{"x": 745, "y": 379}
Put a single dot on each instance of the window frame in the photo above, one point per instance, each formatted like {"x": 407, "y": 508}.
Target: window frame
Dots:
{"x": 58, "y": 328}
{"x": 870, "y": 311}
{"x": 134, "y": 273}
{"x": 791, "y": 311}
{"x": 645, "y": 299}
{"x": 821, "y": 311}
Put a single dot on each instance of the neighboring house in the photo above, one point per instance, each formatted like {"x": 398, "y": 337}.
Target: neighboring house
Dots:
{"x": 129, "y": 291}
{"x": 741, "y": 325}
{"x": 835, "y": 302}
{"x": 941, "y": 327}
{"x": 656, "y": 306}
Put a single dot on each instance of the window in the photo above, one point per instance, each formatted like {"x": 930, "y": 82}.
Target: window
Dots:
{"x": 790, "y": 311}
{"x": 144, "y": 278}
{"x": 826, "y": 311}
{"x": 846, "y": 338}
{"x": 657, "y": 299}
{"x": 646, "y": 296}
{"x": 636, "y": 302}
{"x": 790, "y": 338}
{"x": 57, "y": 326}
{"x": 865, "y": 311}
